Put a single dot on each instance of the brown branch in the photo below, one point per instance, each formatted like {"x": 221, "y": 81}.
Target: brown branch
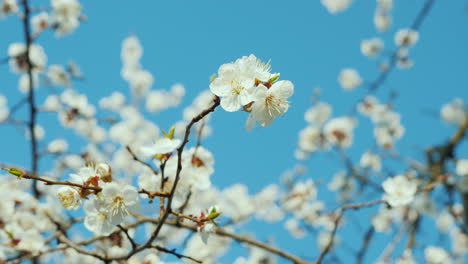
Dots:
{"x": 61, "y": 237}
{"x": 173, "y": 252}
{"x": 26, "y": 175}
{"x": 31, "y": 102}
{"x": 189, "y": 217}
{"x": 365, "y": 244}
{"x": 154, "y": 235}
{"x": 125, "y": 231}
{"x": 180, "y": 149}
{"x": 220, "y": 232}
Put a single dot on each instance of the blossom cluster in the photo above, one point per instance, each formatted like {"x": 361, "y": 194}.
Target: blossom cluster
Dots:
{"x": 249, "y": 84}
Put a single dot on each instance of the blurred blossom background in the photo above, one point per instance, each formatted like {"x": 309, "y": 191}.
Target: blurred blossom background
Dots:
{"x": 185, "y": 42}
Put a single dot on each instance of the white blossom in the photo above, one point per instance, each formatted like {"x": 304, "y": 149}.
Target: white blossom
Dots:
{"x": 97, "y": 217}
{"x": 445, "y": 221}
{"x": 371, "y": 160}
{"x": 318, "y": 114}
{"x": 40, "y": 22}
{"x": 58, "y": 75}
{"x": 454, "y": 112}
{"x": 162, "y": 145}
{"x": 131, "y": 50}
{"x": 407, "y": 258}
{"x": 17, "y": 53}
{"x": 8, "y": 7}
{"x": 120, "y": 200}
{"x": 4, "y": 111}
{"x": 206, "y": 230}
{"x": 57, "y": 146}
{"x": 52, "y": 103}
{"x": 113, "y": 102}
{"x": 233, "y": 85}
{"x": 65, "y": 15}
{"x": 311, "y": 139}
{"x": 406, "y": 37}
{"x": 271, "y": 103}
{"x": 382, "y": 21}
{"x": 339, "y": 131}
{"x": 462, "y": 167}
{"x": 69, "y": 197}
{"x": 294, "y": 228}
{"x": 336, "y": 6}
{"x": 371, "y": 47}
{"x": 349, "y": 79}
{"x": 399, "y": 190}
{"x": 436, "y": 255}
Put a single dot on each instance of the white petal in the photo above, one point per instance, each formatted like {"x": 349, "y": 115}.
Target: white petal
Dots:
{"x": 230, "y": 103}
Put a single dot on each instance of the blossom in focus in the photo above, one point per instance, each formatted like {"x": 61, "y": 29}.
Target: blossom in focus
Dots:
{"x": 120, "y": 200}
{"x": 234, "y": 83}
{"x": 271, "y": 103}
{"x": 248, "y": 84}
{"x": 349, "y": 79}
{"x": 399, "y": 190}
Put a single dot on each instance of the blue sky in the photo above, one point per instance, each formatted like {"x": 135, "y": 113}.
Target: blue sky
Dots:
{"x": 186, "y": 41}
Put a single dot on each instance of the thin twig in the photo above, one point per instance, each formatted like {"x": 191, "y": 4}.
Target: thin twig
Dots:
{"x": 337, "y": 222}
{"x": 173, "y": 252}
{"x": 135, "y": 158}
{"x": 88, "y": 187}
{"x": 125, "y": 231}
{"x": 365, "y": 244}
{"x": 394, "y": 57}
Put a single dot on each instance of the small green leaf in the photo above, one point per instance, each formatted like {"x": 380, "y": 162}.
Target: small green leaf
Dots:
{"x": 14, "y": 171}
{"x": 274, "y": 78}
{"x": 213, "y": 215}
{"x": 171, "y": 132}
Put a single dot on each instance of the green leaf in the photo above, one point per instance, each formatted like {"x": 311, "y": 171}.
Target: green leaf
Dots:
{"x": 14, "y": 171}
{"x": 274, "y": 78}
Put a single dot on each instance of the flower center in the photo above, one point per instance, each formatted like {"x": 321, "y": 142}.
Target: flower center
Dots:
{"x": 339, "y": 135}
{"x": 118, "y": 206}
{"x": 197, "y": 162}
{"x": 237, "y": 89}
{"x": 66, "y": 199}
